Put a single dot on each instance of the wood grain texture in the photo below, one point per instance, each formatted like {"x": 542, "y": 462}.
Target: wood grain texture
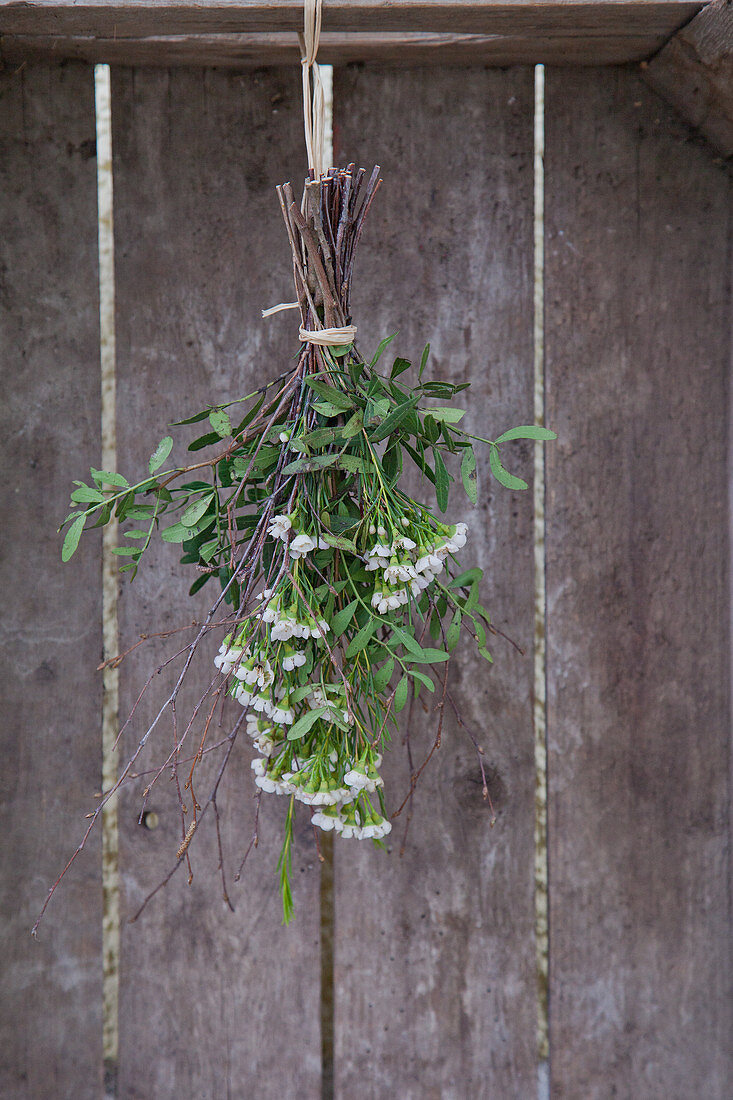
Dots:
{"x": 694, "y": 73}
{"x": 212, "y": 1004}
{"x": 50, "y": 1009}
{"x": 435, "y": 961}
{"x": 637, "y": 347}
{"x": 145, "y": 17}
{"x": 527, "y": 43}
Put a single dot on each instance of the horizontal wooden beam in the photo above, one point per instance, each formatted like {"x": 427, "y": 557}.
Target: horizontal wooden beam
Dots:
{"x": 251, "y": 50}
{"x": 694, "y": 73}
{"x": 247, "y": 32}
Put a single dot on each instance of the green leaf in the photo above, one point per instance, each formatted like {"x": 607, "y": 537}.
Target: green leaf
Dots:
{"x": 208, "y": 549}
{"x": 325, "y": 408}
{"x": 486, "y": 655}
{"x": 342, "y": 618}
{"x": 424, "y": 359}
{"x": 330, "y": 394}
{"x": 199, "y": 583}
{"x": 305, "y": 723}
{"x": 428, "y": 657}
{"x": 406, "y": 639}
{"x": 136, "y": 534}
{"x": 160, "y": 453}
{"x": 195, "y": 511}
{"x": 469, "y": 577}
{"x": 446, "y": 414}
{"x": 175, "y": 533}
{"x": 526, "y": 431}
{"x": 353, "y": 464}
{"x": 310, "y": 465}
{"x": 399, "y": 367}
{"x": 393, "y": 421}
{"x": 204, "y": 441}
{"x": 378, "y": 353}
{"x": 442, "y": 482}
{"x": 73, "y": 535}
{"x": 106, "y": 477}
{"x": 192, "y": 419}
{"x": 468, "y": 474}
{"x": 340, "y": 350}
{"x": 400, "y": 695}
{"x": 453, "y": 632}
{"x": 353, "y": 425}
{"x": 85, "y": 495}
{"x": 220, "y": 422}
{"x": 340, "y": 542}
{"x": 127, "y": 551}
{"x": 362, "y": 638}
{"x": 428, "y": 683}
{"x": 383, "y": 675}
{"x": 509, "y": 481}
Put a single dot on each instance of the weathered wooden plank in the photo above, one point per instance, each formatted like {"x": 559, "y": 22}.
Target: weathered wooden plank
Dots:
{"x": 211, "y": 1003}
{"x": 236, "y": 33}
{"x": 240, "y": 51}
{"x": 50, "y": 1010}
{"x": 435, "y": 959}
{"x": 143, "y": 17}
{"x": 638, "y": 346}
{"x": 694, "y": 73}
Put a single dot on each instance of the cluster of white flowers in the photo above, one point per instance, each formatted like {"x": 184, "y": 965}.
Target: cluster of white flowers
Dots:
{"x": 340, "y": 805}
{"x": 358, "y": 822}
{"x": 284, "y": 624}
{"x": 410, "y": 566}
{"x": 298, "y": 545}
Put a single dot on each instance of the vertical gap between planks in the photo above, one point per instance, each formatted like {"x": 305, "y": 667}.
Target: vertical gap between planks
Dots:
{"x": 110, "y": 675}
{"x": 327, "y": 904}
{"x": 540, "y": 649}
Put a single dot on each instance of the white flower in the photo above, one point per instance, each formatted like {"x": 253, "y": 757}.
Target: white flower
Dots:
{"x": 314, "y": 630}
{"x": 265, "y": 745}
{"x": 399, "y": 571}
{"x": 293, "y": 660}
{"x": 322, "y": 544}
{"x": 242, "y": 695}
{"x": 227, "y": 658}
{"x": 301, "y": 545}
{"x": 284, "y": 629}
{"x": 284, "y": 437}
{"x": 403, "y": 543}
{"x": 284, "y": 715}
{"x": 323, "y": 821}
{"x": 258, "y": 765}
{"x": 279, "y": 526}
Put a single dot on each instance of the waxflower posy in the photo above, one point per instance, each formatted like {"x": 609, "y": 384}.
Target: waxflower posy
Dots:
{"x": 340, "y": 595}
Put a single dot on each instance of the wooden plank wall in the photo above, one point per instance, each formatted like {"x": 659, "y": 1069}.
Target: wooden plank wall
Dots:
{"x": 638, "y": 358}
{"x": 434, "y": 975}
{"x": 435, "y": 982}
{"x": 51, "y": 1004}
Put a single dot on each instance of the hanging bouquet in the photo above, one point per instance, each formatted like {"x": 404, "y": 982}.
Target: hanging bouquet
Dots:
{"x": 340, "y": 595}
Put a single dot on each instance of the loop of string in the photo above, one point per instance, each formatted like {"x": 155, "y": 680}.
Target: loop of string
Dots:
{"x": 314, "y": 106}
{"x": 314, "y": 122}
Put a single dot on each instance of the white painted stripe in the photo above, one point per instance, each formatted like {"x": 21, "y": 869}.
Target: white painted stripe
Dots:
{"x": 110, "y": 836}
{"x": 540, "y": 692}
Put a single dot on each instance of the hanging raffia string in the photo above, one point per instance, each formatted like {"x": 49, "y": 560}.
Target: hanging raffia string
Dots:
{"x": 314, "y": 124}
{"x": 314, "y": 108}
